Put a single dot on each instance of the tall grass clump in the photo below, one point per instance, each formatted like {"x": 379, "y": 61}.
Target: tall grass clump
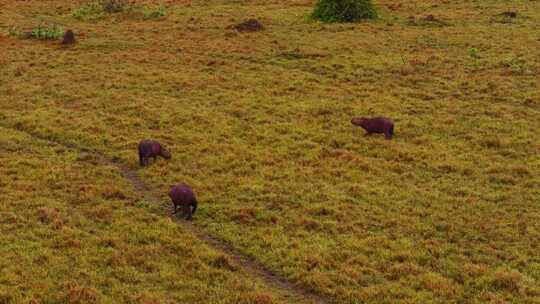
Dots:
{"x": 97, "y": 9}
{"x": 343, "y": 10}
{"x": 46, "y": 32}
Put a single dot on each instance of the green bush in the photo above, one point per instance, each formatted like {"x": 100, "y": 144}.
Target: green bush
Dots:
{"x": 343, "y": 10}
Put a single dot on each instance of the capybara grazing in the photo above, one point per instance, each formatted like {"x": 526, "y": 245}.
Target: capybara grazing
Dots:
{"x": 69, "y": 37}
{"x": 151, "y": 148}
{"x": 182, "y": 195}
{"x": 375, "y": 125}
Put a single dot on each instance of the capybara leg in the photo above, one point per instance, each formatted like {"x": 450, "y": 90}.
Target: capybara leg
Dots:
{"x": 388, "y": 135}
{"x": 194, "y": 205}
{"x": 187, "y": 212}
{"x": 141, "y": 160}
{"x": 174, "y": 209}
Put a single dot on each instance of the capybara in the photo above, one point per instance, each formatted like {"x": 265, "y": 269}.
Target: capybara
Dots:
{"x": 69, "y": 37}
{"x": 151, "y": 148}
{"x": 375, "y": 125}
{"x": 182, "y": 195}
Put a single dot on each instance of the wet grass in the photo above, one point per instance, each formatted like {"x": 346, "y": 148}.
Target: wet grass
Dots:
{"x": 259, "y": 125}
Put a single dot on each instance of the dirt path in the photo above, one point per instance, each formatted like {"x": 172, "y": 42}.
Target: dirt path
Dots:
{"x": 293, "y": 293}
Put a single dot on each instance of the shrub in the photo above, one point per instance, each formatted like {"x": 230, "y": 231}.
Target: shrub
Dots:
{"x": 343, "y": 10}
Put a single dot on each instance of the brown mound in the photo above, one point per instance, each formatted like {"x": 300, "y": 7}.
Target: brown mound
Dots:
{"x": 428, "y": 20}
{"x": 509, "y": 14}
{"x": 251, "y": 25}
{"x": 505, "y": 17}
{"x": 69, "y": 37}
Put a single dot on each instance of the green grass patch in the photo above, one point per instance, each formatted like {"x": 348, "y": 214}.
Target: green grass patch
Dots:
{"x": 343, "y": 10}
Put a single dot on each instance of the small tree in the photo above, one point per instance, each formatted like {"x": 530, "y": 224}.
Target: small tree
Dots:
{"x": 344, "y": 10}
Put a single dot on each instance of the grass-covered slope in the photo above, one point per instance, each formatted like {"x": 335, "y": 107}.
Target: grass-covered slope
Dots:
{"x": 73, "y": 231}
{"x": 259, "y": 124}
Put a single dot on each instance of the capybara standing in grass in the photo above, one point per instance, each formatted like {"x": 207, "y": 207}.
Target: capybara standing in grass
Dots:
{"x": 375, "y": 125}
{"x": 182, "y": 195}
{"x": 151, "y": 148}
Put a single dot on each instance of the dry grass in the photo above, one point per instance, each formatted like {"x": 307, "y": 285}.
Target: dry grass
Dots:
{"x": 259, "y": 124}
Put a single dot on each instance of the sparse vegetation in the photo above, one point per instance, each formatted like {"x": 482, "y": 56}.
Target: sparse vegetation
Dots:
{"x": 473, "y": 53}
{"x": 154, "y": 12}
{"x": 98, "y": 9}
{"x": 515, "y": 64}
{"x": 92, "y": 9}
{"x": 13, "y": 31}
{"x": 344, "y": 10}
{"x": 113, "y": 6}
{"x": 259, "y": 125}
{"x": 46, "y": 32}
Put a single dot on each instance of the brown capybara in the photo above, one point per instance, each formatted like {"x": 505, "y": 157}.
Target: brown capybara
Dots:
{"x": 182, "y": 195}
{"x": 375, "y": 125}
{"x": 151, "y": 148}
{"x": 69, "y": 37}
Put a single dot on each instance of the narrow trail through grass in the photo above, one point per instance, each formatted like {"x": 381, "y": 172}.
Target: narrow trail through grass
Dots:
{"x": 259, "y": 125}
{"x": 293, "y": 292}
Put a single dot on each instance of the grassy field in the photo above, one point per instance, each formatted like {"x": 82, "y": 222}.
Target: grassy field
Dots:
{"x": 259, "y": 124}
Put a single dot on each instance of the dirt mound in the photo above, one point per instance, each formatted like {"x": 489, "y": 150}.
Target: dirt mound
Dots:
{"x": 251, "y": 25}
{"x": 509, "y": 14}
{"x": 506, "y": 17}
{"x": 69, "y": 37}
{"x": 428, "y": 20}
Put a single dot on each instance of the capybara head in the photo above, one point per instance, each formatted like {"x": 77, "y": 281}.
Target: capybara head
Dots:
{"x": 358, "y": 121}
{"x": 165, "y": 153}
